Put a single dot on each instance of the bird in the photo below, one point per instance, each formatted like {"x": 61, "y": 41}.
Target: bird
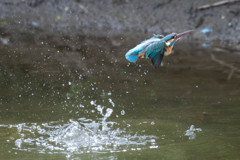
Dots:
{"x": 155, "y": 48}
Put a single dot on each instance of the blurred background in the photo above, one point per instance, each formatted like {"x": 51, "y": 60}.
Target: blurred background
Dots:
{"x": 67, "y": 91}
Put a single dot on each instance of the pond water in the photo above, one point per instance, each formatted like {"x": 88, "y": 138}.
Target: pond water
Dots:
{"x": 92, "y": 104}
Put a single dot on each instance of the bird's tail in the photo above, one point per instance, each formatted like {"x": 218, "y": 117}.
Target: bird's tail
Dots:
{"x": 131, "y": 56}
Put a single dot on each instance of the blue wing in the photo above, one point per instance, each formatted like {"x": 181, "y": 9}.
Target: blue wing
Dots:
{"x": 157, "y": 60}
{"x": 132, "y": 54}
{"x": 155, "y": 51}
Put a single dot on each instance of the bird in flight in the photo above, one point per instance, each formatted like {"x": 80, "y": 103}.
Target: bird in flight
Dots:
{"x": 155, "y": 48}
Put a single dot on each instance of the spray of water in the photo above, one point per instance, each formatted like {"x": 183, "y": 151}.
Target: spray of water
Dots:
{"x": 80, "y": 136}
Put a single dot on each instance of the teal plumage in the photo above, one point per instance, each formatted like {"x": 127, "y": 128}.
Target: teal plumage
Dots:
{"x": 154, "y": 48}
{"x": 155, "y": 51}
{"x": 132, "y": 54}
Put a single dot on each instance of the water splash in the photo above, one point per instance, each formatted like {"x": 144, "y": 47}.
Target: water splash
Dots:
{"x": 80, "y": 136}
{"x": 191, "y": 132}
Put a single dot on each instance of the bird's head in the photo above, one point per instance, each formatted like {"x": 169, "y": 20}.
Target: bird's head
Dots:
{"x": 173, "y": 37}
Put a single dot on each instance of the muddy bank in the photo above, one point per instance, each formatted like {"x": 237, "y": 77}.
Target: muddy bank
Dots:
{"x": 119, "y": 17}
{"x": 91, "y": 37}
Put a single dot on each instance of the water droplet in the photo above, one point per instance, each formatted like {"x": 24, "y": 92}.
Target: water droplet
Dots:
{"x": 93, "y": 103}
{"x": 100, "y": 109}
{"x": 18, "y": 143}
{"x": 81, "y": 106}
{"x": 153, "y": 147}
{"x": 111, "y": 101}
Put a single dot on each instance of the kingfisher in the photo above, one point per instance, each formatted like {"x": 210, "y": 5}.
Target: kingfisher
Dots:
{"x": 155, "y": 48}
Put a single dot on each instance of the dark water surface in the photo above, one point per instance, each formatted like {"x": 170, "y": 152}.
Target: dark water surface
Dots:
{"x": 89, "y": 103}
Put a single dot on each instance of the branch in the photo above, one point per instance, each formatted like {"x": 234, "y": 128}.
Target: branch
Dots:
{"x": 216, "y": 4}
{"x": 232, "y": 68}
